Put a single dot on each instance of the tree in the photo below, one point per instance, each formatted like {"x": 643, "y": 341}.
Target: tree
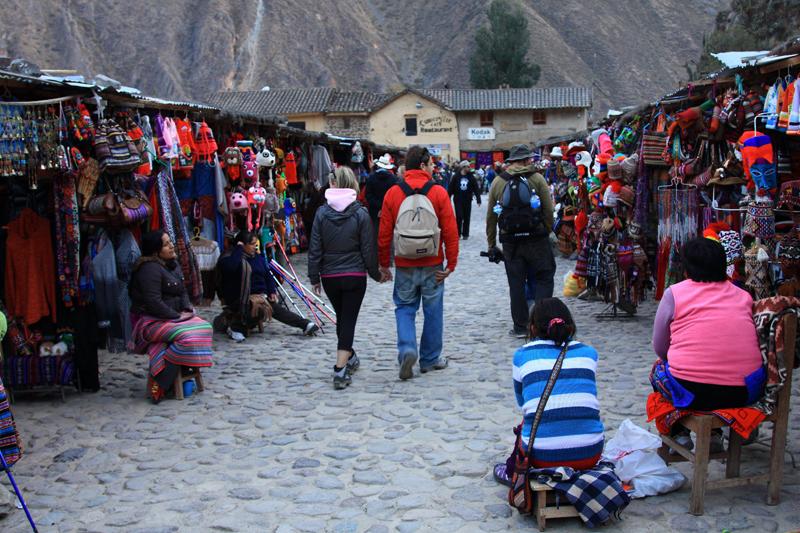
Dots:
{"x": 501, "y": 47}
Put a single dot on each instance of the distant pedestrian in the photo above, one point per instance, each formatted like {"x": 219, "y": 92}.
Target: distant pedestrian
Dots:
{"x": 521, "y": 205}
{"x": 340, "y": 255}
{"x": 463, "y": 186}
{"x": 378, "y": 183}
{"x": 423, "y": 208}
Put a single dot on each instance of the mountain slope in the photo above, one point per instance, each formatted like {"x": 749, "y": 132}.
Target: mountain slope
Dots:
{"x": 628, "y": 50}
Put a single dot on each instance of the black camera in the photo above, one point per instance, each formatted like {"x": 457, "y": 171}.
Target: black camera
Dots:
{"x": 494, "y": 254}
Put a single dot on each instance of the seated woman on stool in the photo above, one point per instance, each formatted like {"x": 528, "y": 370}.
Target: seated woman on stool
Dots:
{"x": 570, "y": 432}
{"x": 244, "y": 279}
{"x": 706, "y": 341}
{"x": 165, "y": 326}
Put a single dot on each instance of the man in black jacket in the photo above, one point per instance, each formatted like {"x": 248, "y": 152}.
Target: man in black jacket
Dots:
{"x": 463, "y": 186}
{"x": 378, "y": 184}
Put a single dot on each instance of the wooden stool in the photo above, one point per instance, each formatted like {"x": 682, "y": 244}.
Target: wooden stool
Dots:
{"x": 702, "y": 425}
{"x": 181, "y": 378}
{"x": 545, "y": 506}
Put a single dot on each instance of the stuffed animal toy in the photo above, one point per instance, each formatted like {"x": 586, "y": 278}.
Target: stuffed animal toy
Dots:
{"x": 237, "y": 202}
{"x": 256, "y": 197}
{"x": 265, "y": 158}
{"x": 233, "y": 163}
{"x": 249, "y": 172}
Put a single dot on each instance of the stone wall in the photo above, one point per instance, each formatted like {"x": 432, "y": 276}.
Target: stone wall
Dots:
{"x": 349, "y": 126}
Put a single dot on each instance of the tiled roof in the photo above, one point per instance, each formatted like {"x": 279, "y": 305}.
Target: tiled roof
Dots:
{"x": 295, "y": 101}
{"x": 496, "y": 99}
{"x": 274, "y": 101}
{"x": 355, "y": 101}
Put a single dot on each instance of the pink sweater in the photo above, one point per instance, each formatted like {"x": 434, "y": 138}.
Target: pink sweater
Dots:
{"x": 712, "y": 334}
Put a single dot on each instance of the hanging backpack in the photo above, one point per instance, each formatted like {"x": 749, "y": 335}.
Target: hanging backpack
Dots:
{"x": 205, "y": 143}
{"x": 519, "y": 221}
{"x": 115, "y": 151}
{"x": 416, "y": 231}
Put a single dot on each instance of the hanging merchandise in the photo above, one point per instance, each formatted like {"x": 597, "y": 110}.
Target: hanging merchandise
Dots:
{"x": 756, "y": 260}
{"x": 188, "y": 150}
{"x": 67, "y": 239}
{"x": 290, "y": 169}
{"x": 115, "y": 151}
{"x": 677, "y": 224}
{"x": 88, "y": 174}
{"x": 233, "y": 163}
{"x": 206, "y": 145}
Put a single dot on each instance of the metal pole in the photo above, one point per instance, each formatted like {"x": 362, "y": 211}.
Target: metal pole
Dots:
{"x": 314, "y": 296}
{"x": 286, "y": 295}
{"x": 19, "y": 494}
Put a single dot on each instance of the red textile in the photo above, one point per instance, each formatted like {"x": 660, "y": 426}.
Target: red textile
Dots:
{"x": 30, "y": 284}
{"x": 743, "y": 420}
{"x": 438, "y": 196}
{"x": 497, "y": 157}
{"x": 290, "y": 169}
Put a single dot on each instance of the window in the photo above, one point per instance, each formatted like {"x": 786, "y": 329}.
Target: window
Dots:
{"x": 346, "y": 123}
{"x": 411, "y": 126}
{"x": 487, "y": 119}
{"x": 298, "y": 125}
{"x": 539, "y": 117}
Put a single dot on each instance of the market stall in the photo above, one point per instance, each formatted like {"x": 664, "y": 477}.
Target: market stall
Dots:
{"x": 86, "y": 169}
{"x": 719, "y": 158}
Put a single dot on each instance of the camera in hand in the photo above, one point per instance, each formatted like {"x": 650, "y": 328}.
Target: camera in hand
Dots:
{"x": 494, "y": 254}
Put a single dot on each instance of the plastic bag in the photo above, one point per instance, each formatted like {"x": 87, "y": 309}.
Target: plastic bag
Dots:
{"x": 633, "y": 452}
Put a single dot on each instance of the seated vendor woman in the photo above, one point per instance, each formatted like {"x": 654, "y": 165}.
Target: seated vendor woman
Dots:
{"x": 165, "y": 326}
{"x": 570, "y": 432}
{"x": 705, "y": 338}
{"x": 246, "y": 284}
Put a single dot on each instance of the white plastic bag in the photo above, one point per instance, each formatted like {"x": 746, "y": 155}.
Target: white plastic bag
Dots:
{"x": 633, "y": 452}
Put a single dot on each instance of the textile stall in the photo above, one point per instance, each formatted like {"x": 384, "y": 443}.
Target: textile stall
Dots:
{"x": 718, "y": 158}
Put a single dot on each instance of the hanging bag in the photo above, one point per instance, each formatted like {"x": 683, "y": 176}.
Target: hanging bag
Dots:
{"x": 654, "y": 141}
{"x": 520, "y": 495}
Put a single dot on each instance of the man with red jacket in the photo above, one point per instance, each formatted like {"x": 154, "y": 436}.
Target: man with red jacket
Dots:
{"x": 419, "y": 279}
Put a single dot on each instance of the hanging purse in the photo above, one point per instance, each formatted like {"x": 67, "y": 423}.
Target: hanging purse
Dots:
{"x": 133, "y": 207}
{"x": 520, "y": 495}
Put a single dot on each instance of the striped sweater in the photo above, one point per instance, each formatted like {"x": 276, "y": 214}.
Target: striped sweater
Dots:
{"x": 570, "y": 429}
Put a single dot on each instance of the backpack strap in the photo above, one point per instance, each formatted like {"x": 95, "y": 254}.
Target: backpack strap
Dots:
{"x": 423, "y": 191}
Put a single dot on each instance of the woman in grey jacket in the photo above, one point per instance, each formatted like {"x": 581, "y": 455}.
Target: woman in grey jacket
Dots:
{"x": 341, "y": 254}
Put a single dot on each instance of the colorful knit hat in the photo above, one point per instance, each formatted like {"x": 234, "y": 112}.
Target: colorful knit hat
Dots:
{"x": 630, "y": 167}
{"x": 760, "y": 219}
{"x": 614, "y": 170}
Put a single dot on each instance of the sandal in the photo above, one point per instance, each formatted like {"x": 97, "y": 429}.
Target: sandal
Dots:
{"x": 501, "y": 474}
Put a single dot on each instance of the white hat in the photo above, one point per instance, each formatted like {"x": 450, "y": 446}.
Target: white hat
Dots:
{"x": 385, "y": 162}
{"x": 556, "y": 152}
{"x": 465, "y": 163}
{"x": 583, "y": 158}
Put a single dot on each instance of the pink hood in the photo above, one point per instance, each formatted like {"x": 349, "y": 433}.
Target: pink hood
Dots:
{"x": 339, "y": 199}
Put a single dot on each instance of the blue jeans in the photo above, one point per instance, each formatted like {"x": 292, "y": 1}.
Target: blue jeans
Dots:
{"x": 411, "y": 285}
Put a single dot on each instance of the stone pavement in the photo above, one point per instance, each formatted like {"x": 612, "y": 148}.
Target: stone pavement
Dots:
{"x": 270, "y": 446}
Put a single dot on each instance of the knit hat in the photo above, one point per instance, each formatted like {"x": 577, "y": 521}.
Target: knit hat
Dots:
{"x": 627, "y": 196}
{"x": 583, "y": 158}
{"x": 760, "y": 219}
{"x": 630, "y": 167}
{"x": 789, "y": 198}
{"x": 614, "y": 170}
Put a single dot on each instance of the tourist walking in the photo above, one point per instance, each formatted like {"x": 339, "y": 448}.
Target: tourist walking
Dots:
{"x": 164, "y": 323}
{"x": 521, "y": 206}
{"x": 378, "y": 184}
{"x": 463, "y": 186}
{"x": 340, "y": 255}
{"x": 419, "y": 221}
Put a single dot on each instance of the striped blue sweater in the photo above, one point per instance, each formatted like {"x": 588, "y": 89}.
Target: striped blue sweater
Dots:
{"x": 570, "y": 429}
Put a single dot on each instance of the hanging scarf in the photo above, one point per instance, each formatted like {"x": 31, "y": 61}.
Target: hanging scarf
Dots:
{"x": 174, "y": 225}
{"x": 677, "y": 223}
{"x": 67, "y": 238}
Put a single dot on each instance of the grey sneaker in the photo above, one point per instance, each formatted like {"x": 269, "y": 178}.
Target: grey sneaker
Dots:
{"x": 407, "y": 367}
{"x": 341, "y": 379}
{"x": 310, "y": 329}
{"x": 235, "y": 336}
{"x": 440, "y": 364}
{"x": 353, "y": 363}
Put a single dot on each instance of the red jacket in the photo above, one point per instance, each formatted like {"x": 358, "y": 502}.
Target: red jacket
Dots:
{"x": 416, "y": 179}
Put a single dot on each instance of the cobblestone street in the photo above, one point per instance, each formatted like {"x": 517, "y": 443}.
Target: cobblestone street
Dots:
{"x": 271, "y": 446}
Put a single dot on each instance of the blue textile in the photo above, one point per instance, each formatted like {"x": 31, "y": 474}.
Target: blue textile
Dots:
{"x": 411, "y": 286}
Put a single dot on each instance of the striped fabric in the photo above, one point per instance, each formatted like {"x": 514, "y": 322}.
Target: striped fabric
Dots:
{"x": 186, "y": 343}
{"x": 570, "y": 429}
{"x": 9, "y": 438}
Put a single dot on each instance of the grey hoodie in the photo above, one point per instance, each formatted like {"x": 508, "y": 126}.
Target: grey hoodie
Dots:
{"x": 342, "y": 243}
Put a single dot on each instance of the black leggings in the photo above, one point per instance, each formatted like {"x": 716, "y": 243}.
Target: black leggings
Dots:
{"x": 708, "y": 397}
{"x": 346, "y": 294}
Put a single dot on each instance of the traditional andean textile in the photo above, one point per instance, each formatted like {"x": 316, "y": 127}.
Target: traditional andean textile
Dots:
{"x": 186, "y": 343}
{"x": 10, "y": 442}
{"x": 597, "y": 494}
{"x": 743, "y": 420}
